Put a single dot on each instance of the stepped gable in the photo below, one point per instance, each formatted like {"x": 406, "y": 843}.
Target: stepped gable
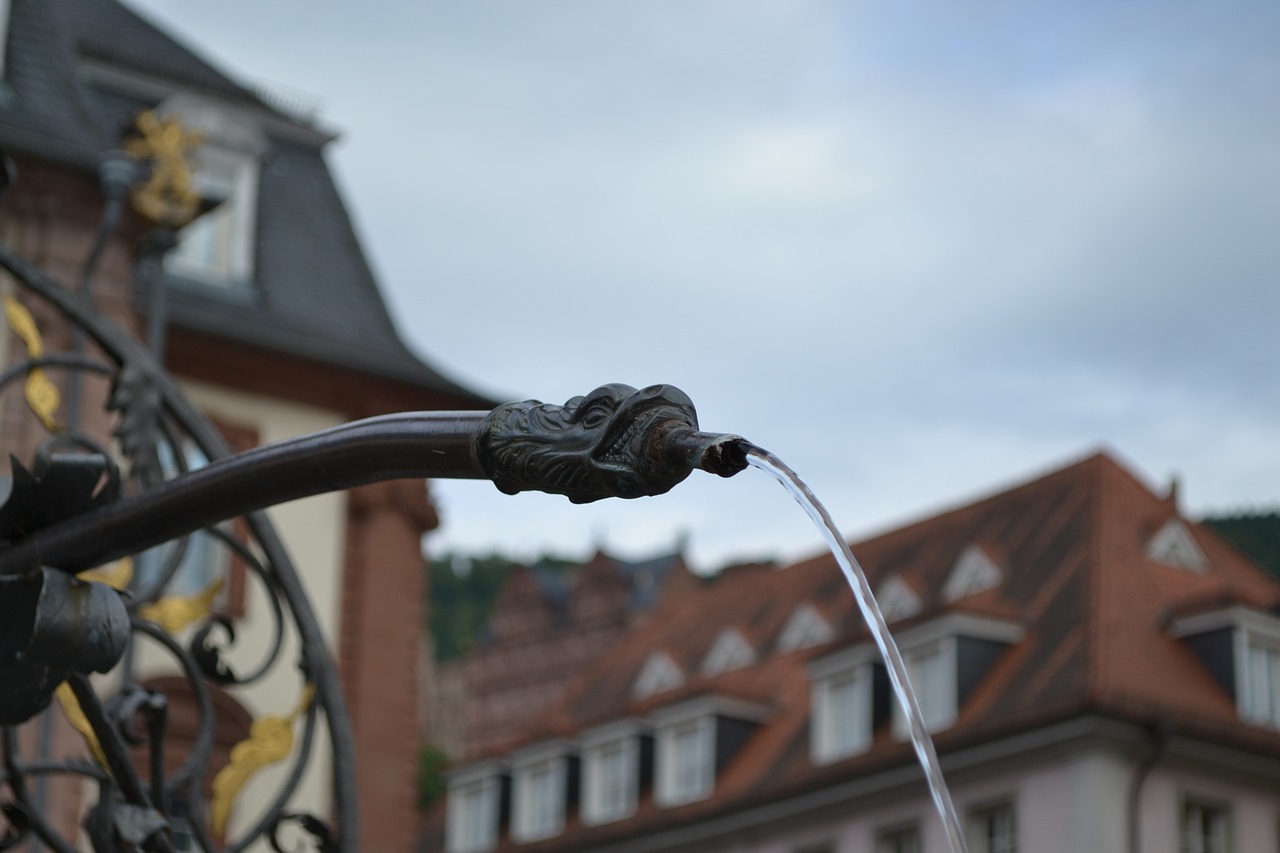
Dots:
{"x": 1095, "y": 610}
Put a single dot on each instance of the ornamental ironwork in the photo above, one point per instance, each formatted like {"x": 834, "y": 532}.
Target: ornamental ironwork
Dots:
{"x": 95, "y": 530}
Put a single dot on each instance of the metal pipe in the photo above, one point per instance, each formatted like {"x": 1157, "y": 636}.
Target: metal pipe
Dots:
{"x": 614, "y": 442}
{"x": 408, "y": 445}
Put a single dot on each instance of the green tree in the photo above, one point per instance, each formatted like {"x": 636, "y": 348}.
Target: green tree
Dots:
{"x": 1257, "y": 534}
{"x": 431, "y": 765}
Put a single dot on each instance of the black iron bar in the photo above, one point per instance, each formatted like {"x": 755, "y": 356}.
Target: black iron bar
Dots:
{"x": 410, "y": 445}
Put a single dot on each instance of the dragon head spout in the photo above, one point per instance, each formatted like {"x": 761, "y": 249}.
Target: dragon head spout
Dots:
{"x": 609, "y": 443}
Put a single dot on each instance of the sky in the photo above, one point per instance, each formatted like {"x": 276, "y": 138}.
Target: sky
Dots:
{"x": 922, "y": 250}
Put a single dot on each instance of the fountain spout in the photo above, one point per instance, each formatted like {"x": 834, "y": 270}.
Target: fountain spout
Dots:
{"x": 614, "y": 442}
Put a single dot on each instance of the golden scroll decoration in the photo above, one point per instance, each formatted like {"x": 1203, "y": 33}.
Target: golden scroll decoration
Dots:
{"x": 270, "y": 740}
{"x": 42, "y": 395}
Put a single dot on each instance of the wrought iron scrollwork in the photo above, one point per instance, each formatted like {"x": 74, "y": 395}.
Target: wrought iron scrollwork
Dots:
{"x": 56, "y": 628}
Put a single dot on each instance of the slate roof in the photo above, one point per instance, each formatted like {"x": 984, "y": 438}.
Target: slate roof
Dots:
{"x": 1095, "y": 610}
{"x": 314, "y": 295}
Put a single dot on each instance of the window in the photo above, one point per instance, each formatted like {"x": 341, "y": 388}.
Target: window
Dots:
{"x": 203, "y": 563}
{"x": 686, "y": 758}
{"x": 992, "y": 829}
{"x": 730, "y": 651}
{"x": 901, "y": 839}
{"x": 696, "y": 737}
{"x": 472, "y": 815}
{"x": 843, "y": 714}
{"x": 931, "y": 669}
{"x": 217, "y": 248}
{"x": 840, "y": 704}
{"x": 611, "y": 774}
{"x": 1205, "y": 829}
{"x": 539, "y": 804}
{"x": 1261, "y": 688}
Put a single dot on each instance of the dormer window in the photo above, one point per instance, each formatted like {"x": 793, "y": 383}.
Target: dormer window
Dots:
{"x": 615, "y": 760}
{"x": 1174, "y": 546}
{"x": 659, "y": 674}
{"x": 840, "y": 701}
{"x": 946, "y": 659}
{"x": 540, "y": 778}
{"x": 218, "y": 248}
{"x": 897, "y": 599}
{"x": 693, "y": 741}
{"x": 1241, "y": 649}
{"x": 730, "y": 651}
{"x": 805, "y": 628}
{"x": 473, "y": 809}
{"x": 974, "y": 571}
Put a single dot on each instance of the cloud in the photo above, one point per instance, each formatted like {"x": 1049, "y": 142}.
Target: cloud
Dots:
{"x": 913, "y": 247}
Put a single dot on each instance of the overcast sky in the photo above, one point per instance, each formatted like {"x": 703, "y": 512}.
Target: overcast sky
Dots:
{"x": 920, "y": 250}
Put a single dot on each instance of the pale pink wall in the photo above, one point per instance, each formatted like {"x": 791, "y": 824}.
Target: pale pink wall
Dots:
{"x": 1255, "y": 815}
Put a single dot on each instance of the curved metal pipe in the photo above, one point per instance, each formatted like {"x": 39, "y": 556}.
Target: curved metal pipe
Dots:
{"x": 407, "y": 445}
{"x": 650, "y": 443}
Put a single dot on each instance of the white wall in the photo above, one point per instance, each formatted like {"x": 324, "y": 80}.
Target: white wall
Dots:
{"x": 313, "y": 532}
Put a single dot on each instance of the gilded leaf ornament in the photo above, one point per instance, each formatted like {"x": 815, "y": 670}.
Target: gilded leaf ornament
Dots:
{"x": 75, "y": 716}
{"x": 270, "y": 740}
{"x": 176, "y": 612}
{"x": 42, "y": 395}
{"x": 116, "y": 576}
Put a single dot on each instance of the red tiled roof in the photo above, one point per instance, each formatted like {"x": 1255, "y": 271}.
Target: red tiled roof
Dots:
{"x": 1094, "y": 607}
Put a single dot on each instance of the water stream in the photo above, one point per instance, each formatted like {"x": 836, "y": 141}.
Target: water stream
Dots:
{"x": 866, "y": 599}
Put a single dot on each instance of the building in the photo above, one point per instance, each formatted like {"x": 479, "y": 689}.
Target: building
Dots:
{"x": 546, "y": 627}
{"x": 275, "y": 327}
{"x": 1099, "y": 673}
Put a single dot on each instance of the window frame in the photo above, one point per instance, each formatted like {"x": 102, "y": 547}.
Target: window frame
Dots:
{"x": 892, "y": 834}
{"x": 539, "y": 792}
{"x": 937, "y": 693}
{"x": 231, "y": 226}
{"x": 624, "y": 735}
{"x": 1221, "y": 810}
{"x": 973, "y": 814}
{"x": 473, "y": 809}
{"x": 855, "y": 662}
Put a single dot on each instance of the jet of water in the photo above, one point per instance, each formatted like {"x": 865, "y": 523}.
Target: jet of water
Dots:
{"x": 920, "y": 739}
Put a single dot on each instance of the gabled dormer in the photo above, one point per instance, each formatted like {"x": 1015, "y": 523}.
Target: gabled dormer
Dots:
{"x": 806, "y": 628}
{"x": 658, "y": 675}
{"x": 1174, "y": 546}
{"x": 1240, "y": 647}
{"x": 897, "y": 599}
{"x": 730, "y": 651}
{"x": 946, "y": 658}
{"x": 694, "y": 740}
{"x": 974, "y": 571}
